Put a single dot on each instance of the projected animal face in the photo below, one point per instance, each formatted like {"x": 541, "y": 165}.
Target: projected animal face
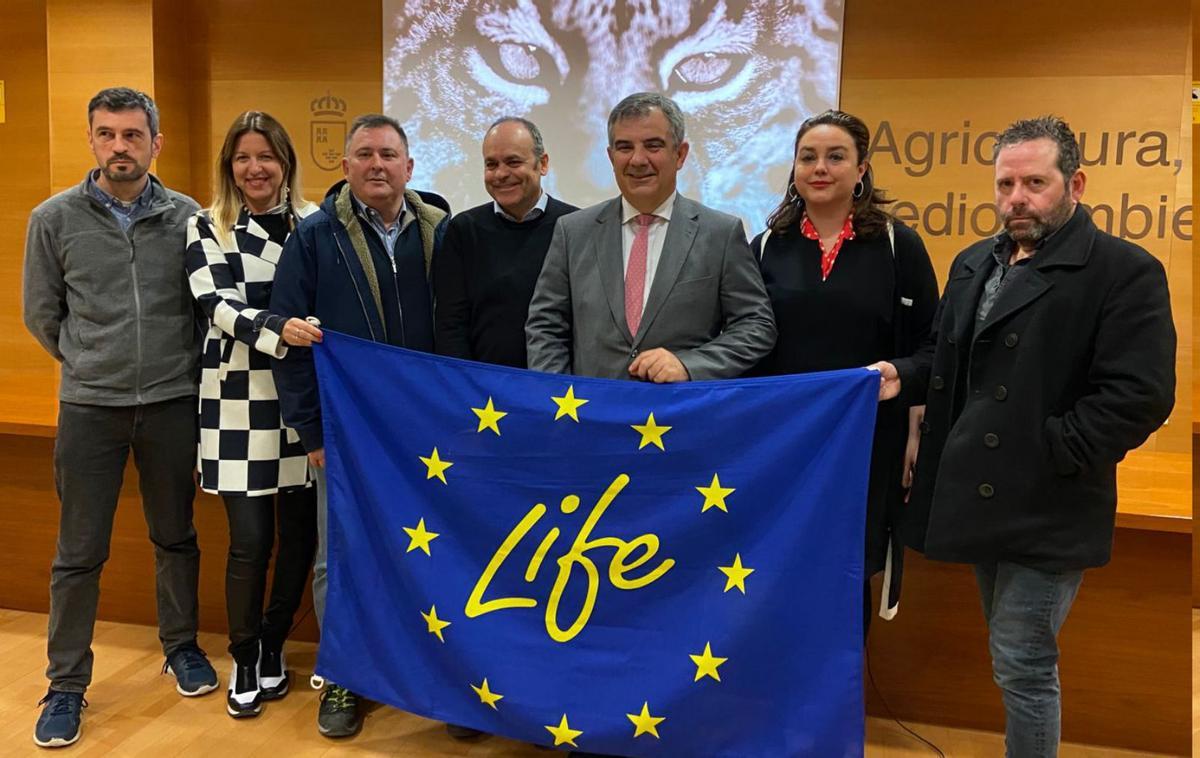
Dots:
{"x": 745, "y": 74}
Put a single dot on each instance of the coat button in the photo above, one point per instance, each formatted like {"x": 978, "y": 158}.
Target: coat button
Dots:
{"x": 925, "y": 427}
{"x": 1011, "y": 339}
{"x": 1001, "y": 392}
{"x": 950, "y": 338}
{"x": 986, "y": 490}
{"x": 937, "y": 383}
{"x": 991, "y": 440}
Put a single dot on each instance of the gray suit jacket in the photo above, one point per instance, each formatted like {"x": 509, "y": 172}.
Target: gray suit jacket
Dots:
{"x": 707, "y": 303}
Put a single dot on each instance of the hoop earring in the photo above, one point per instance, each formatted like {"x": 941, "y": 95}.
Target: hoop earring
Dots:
{"x": 791, "y": 196}
{"x": 859, "y": 189}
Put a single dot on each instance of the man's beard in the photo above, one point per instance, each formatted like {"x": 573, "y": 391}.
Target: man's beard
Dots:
{"x": 1041, "y": 226}
{"x": 133, "y": 175}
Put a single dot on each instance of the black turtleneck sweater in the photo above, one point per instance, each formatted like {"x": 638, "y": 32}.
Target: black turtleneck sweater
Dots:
{"x": 483, "y": 280}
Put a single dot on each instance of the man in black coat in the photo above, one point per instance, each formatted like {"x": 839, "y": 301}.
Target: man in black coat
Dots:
{"x": 1052, "y": 355}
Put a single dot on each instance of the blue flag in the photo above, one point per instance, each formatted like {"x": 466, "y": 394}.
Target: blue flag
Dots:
{"x": 615, "y": 567}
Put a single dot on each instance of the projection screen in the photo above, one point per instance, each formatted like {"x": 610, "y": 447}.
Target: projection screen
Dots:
{"x": 745, "y": 74}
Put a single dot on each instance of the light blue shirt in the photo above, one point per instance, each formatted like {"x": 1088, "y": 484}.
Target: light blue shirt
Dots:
{"x": 538, "y": 209}
{"x": 125, "y": 213}
{"x": 387, "y": 236}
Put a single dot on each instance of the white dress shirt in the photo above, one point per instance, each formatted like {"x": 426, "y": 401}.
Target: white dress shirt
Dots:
{"x": 537, "y": 210}
{"x": 658, "y": 233}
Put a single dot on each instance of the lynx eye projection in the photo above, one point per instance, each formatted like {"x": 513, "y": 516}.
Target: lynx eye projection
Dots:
{"x": 745, "y": 74}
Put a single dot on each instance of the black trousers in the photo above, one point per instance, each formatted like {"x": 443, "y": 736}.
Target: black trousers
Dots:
{"x": 90, "y": 452}
{"x": 252, "y": 524}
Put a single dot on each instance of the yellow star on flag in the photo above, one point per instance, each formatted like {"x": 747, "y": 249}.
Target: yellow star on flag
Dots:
{"x": 644, "y": 723}
{"x": 651, "y": 433}
{"x": 486, "y": 696}
{"x": 563, "y": 733}
{"x": 488, "y": 416}
{"x": 568, "y": 404}
{"x": 736, "y": 574}
{"x": 706, "y": 664}
{"x": 435, "y": 624}
{"x": 419, "y": 537}
{"x": 715, "y": 494}
{"x": 435, "y": 466}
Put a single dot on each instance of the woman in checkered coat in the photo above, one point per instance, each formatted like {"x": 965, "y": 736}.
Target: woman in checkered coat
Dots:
{"x": 247, "y": 456}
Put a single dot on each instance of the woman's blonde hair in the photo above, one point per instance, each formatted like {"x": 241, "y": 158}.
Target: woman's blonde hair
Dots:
{"x": 227, "y": 199}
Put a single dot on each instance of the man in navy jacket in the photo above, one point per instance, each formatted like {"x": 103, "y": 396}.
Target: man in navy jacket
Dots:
{"x": 360, "y": 265}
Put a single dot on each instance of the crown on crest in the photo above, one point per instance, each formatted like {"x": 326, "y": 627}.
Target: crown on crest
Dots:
{"x": 328, "y": 106}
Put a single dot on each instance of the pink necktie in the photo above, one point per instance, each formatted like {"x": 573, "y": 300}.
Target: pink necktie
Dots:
{"x": 635, "y": 273}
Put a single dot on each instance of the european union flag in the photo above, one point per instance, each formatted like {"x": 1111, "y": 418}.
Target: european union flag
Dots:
{"x": 617, "y": 567}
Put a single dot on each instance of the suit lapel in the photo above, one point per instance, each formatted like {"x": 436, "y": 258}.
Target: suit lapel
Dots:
{"x": 606, "y": 246}
{"x": 681, "y": 233}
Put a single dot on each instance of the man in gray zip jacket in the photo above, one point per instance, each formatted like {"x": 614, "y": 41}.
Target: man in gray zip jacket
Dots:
{"x": 106, "y": 294}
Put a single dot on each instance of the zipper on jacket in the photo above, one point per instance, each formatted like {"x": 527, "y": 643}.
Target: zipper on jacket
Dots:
{"x": 399, "y": 303}
{"x": 361, "y": 303}
{"x": 137, "y": 295}
{"x": 137, "y": 314}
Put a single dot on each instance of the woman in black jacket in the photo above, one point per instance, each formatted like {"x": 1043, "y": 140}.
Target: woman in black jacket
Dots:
{"x": 850, "y": 286}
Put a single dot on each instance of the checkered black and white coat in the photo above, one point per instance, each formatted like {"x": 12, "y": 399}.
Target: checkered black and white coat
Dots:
{"x": 245, "y": 449}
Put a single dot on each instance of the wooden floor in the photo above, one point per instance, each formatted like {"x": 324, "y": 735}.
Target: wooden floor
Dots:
{"x": 135, "y": 711}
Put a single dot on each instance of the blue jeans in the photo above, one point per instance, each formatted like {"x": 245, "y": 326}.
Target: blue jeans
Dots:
{"x": 1025, "y": 607}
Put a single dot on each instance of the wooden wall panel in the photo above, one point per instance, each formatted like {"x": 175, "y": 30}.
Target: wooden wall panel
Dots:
{"x": 28, "y": 376}
{"x": 1195, "y": 527}
{"x": 91, "y": 44}
{"x": 1177, "y": 434}
{"x": 177, "y": 78}
{"x": 912, "y": 39}
{"x": 1195, "y": 377}
{"x": 1195, "y": 189}
{"x": 325, "y": 52}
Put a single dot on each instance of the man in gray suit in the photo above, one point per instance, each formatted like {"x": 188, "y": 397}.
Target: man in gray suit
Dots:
{"x": 649, "y": 285}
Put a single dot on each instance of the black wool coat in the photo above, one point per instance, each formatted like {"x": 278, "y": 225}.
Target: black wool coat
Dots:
{"x": 1029, "y": 412}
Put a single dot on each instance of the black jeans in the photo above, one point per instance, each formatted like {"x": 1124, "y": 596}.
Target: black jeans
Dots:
{"x": 251, "y": 537}
{"x": 90, "y": 452}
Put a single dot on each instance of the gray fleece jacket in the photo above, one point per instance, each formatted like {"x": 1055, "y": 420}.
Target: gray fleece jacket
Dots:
{"x": 113, "y": 308}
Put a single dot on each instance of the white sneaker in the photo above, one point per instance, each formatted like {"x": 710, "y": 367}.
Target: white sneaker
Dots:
{"x": 245, "y": 697}
{"x": 273, "y": 676}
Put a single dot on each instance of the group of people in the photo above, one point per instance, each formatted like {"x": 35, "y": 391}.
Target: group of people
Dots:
{"x": 1005, "y": 403}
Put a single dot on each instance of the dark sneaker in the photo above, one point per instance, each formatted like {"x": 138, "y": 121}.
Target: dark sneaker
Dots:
{"x": 338, "y": 715}
{"x": 462, "y": 732}
{"x": 244, "y": 699}
{"x": 61, "y": 719}
{"x": 273, "y": 676}
{"x": 194, "y": 675}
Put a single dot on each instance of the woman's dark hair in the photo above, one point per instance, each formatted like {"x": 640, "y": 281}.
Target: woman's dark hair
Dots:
{"x": 870, "y": 217}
